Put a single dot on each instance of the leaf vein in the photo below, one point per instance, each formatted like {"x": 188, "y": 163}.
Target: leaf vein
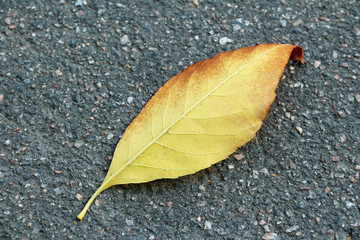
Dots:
{"x": 150, "y": 166}
{"x": 203, "y": 133}
{"x": 130, "y": 144}
{"x": 177, "y": 150}
{"x": 166, "y": 106}
{"x": 209, "y": 117}
{"x": 152, "y": 123}
{"x": 214, "y": 134}
{"x": 188, "y": 87}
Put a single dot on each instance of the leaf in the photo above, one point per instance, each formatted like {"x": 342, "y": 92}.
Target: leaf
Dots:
{"x": 200, "y": 116}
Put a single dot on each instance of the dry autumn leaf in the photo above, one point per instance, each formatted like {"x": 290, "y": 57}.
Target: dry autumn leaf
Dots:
{"x": 200, "y": 116}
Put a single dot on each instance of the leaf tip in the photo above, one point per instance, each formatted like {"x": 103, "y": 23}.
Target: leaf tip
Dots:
{"x": 298, "y": 54}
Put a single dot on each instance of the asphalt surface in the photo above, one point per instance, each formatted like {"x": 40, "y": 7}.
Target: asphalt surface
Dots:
{"x": 73, "y": 75}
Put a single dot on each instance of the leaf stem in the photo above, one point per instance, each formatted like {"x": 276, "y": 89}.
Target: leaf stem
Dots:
{"x": 103, "y": 186}
{"x": 98, "y": 191}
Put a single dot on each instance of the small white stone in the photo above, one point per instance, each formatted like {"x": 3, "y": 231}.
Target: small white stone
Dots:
{"x": 110, "y": 136}
{"x": 335, "y": 54}
{"x": 207, "y": 225}
{"x": 124, "y": 40}
{"x": 236, "y": 27}
{"x": 7, "y": 21}
{"x": 201, "y": 188}
{"x": 238, "y": 156}
{"x": 262, "y": 222}
{"x": 317, "y": 64}
{"x": 78, "y": 144}
{"x": 265, "y": 171}
{"x": 130, "y": 99}
{"x": 270, "y": 236}
{"x": 357, "y": 31}
{"x": 357, "y": 97}
{"x": 298, "y": 23}
{"x": 79, "y": 197}
{"x": 283, "y": 23}
{"x": 230, "y": 166}
{"x": 58, "y": 73}
{"x": 350, "y": 204}
{"x": 266, "y": 228}
{"x": 293, "y": 228}
{"x": 129, "y": 222}
{"x": 225, "y": 40}
{"x": 255, "y": 174}
{"x": 80, "y": 3}
{"x": 299, "y": 129}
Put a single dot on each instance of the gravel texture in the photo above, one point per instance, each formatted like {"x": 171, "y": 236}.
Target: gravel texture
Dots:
{"x": 73, "y": 75}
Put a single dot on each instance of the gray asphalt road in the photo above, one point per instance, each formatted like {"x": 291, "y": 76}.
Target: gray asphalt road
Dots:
{"x": 73, "y": 75}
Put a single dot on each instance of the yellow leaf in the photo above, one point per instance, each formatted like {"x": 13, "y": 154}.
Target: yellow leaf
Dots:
{"x": 200, "y": 116}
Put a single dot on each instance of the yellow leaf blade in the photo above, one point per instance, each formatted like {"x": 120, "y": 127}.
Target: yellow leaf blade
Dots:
{"x": 200, "y": 116}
